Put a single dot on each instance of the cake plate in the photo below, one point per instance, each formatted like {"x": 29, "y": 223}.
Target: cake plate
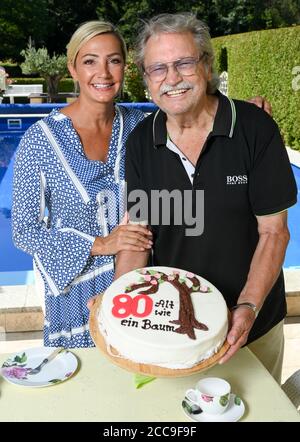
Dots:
{"x": 145, "y": 369}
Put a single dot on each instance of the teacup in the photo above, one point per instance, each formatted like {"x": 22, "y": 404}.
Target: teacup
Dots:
{"x": 211, "y": 395}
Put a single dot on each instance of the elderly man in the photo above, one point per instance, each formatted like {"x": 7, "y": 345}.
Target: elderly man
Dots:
{"x": 199, "y": 140}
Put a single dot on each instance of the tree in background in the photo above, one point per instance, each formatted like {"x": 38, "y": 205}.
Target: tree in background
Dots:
{"x": 134, "y": 88}
{"x": 51, "y": 23}
{"x": 52, "y": 69}
{"x": 128, "y": 15}
{"x": 64, "y": 17}
{"x": 19, "y": 20}
{"x": 237, "y": 16}
{"x": 222, "y": 16}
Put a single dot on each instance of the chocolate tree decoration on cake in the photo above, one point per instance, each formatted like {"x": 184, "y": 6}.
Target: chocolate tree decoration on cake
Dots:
{"x": 186, "y": 319}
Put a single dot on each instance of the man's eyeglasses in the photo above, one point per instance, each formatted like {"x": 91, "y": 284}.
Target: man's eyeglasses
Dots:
{"x": 184, "y": 66}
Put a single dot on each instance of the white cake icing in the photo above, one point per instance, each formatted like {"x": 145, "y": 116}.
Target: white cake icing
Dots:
{"x": 138, "y": 324}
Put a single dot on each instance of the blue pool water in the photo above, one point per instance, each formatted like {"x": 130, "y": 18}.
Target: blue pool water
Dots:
{"x": 292, "y": 257}
{"x": 16, "y": 266}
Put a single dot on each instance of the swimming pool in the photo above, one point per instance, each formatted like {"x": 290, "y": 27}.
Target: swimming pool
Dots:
{"x": 16, "y": 266}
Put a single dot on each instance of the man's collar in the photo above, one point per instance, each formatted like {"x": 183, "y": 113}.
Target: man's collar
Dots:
{"x": 223, "y": 125}
{"x": 225, "y": 117}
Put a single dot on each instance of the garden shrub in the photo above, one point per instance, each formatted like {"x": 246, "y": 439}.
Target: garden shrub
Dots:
{"x": 134, "y": 87}
{"x": 65, "y": 85}
{"x": 262, "y": 63}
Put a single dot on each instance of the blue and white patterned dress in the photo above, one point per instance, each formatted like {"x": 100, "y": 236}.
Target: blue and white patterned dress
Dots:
{"x": 82, "y": 200}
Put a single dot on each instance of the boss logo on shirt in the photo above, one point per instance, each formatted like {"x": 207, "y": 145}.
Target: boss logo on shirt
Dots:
{"x": 237, "y": 179}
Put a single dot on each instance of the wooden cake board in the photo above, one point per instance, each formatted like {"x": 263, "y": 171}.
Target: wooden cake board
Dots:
{"x": 145, "y": 369}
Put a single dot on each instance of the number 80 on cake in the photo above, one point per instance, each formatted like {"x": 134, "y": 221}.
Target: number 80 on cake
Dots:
{"x": 163, "y": 316}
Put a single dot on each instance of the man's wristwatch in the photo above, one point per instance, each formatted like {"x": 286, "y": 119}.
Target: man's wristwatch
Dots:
{"x": 248, "y": 305}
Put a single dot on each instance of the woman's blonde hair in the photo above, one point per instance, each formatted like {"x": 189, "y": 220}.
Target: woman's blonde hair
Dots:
{"x": 88, "y": 30}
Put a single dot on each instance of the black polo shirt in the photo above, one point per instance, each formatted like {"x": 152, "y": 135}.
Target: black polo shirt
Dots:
{"x": 244, "y": 171}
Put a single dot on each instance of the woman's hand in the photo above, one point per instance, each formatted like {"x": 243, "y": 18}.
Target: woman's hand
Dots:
{"x": 133, "y": 237}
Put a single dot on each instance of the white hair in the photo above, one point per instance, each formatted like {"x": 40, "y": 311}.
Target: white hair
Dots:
{"x": 185, "y": 22}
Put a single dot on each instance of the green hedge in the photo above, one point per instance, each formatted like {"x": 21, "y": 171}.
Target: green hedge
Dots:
{"x": 261, "y": 63}
{"x": 65, "y": 85}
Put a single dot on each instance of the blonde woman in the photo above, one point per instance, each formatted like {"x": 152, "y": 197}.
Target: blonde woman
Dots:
{"x": 70, "y": 168}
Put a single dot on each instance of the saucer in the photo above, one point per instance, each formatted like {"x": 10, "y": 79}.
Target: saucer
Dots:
{"x": 234, "y": 412}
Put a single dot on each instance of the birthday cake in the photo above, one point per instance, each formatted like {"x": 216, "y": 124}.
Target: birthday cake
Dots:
{"x": 163, "y": 316}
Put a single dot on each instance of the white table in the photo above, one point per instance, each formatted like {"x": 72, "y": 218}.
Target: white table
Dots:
{"x": 101, "y": 391}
